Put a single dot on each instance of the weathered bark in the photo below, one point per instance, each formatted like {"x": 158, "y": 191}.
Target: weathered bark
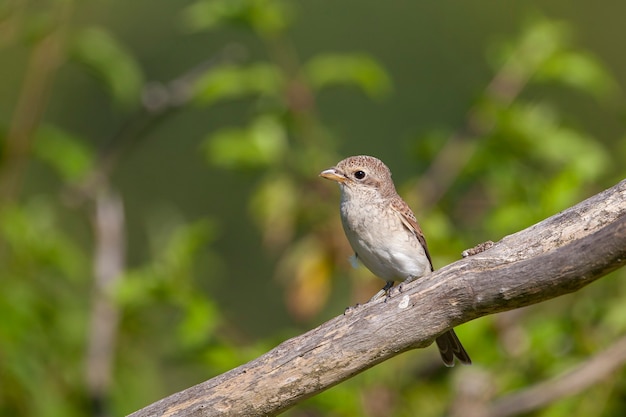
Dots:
{"x": 554, "y": 257}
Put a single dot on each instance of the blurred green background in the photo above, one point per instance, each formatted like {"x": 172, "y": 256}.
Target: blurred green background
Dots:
{"x": 161, "y": 218}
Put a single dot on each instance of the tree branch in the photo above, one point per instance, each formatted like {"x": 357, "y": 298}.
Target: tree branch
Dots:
{"x": 47, "y": 56}
{"x": 554, "y": 257}
{"x": 570, "y": 383}
{"x": 109, "y": 260}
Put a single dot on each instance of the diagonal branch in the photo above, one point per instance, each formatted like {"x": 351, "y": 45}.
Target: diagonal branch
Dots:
{"x": 554, "y": 257}
{"x": 571, "y": 383}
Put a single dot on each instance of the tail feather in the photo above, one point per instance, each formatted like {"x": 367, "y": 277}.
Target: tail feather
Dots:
{"x": 450, "y": 346}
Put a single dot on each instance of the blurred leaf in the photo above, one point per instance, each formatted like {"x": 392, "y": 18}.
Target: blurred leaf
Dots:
{"x": 560, "y": 191}
{"x": 549, "y": 341}
{"x": 544, "y": 51}
{"x": 530, "y": 141}
{"x": 211, "y": 14}
{"x": 138, "y": 286}
{"x": 576, "y": 150}
{"x": 110, "y": 62}
{"x": 306, "y": 270}
{"x": 547, "y": 139}
{"x": 532, "y": 123}
{"x": 222, "y": 358}
{"x": 225, "y": 355}
{"x": 184, "y": 245}
{"x": 230, "y": 81}
{"x": 510, "y": 217}
{"x": 339, "y": 401}
{"x": 579, "y": 70}
{"x": 266, "y": 17}
{"x": 343, "y": 69}
{"x": 42, "y": 305}
{"x": 36, "y": 241}
{"x": 201, "y": 319}
{"x": 67, "y": 154}
{"x": 169, "y": 276}
{"x": 540, "y": 39}
{"x": 261, "y": 144}
{"x": 273, "y": 207}
{"x": 615, "y": 317}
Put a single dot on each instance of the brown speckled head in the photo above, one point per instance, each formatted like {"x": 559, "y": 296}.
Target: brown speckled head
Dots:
{"x": 362, "y": 172}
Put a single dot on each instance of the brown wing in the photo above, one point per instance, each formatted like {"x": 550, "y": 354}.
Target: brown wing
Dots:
{"x": 448, "y": 343}
{"x": 409, "y": 220}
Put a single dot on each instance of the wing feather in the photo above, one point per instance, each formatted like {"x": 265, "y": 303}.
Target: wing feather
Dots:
{"x": 410, "y": 222}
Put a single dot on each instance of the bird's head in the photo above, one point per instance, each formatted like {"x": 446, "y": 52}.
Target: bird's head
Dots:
{"x": 362, "y": 174}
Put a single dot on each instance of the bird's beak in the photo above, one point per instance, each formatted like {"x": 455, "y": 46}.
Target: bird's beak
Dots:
{"x": 333, "y": 174}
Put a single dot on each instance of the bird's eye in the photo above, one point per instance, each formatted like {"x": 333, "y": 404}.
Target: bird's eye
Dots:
{"x": 359, "y": 175}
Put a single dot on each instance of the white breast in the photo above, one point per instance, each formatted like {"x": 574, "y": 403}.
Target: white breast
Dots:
{"x": 382, "y": 243}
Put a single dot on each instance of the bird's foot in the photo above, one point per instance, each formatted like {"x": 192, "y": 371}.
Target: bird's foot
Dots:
{"x": 351, "y": 308}
{"x": 481, "y": 247}
{"x": 391, "y": 290}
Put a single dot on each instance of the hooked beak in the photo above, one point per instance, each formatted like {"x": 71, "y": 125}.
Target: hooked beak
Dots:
{"x": 334, "y": 175}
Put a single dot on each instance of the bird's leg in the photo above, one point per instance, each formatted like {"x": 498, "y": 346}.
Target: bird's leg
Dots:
{"x": 350, "y": 309}
{"x": 410, "y": 278}
{"x": 383, "y": 291}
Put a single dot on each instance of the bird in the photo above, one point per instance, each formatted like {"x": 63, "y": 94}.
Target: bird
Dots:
{"x": 384, "y": 233}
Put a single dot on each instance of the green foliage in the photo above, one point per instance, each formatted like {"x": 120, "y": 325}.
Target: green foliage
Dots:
{"x": 260, "y": 145}
{"x": 527, "y": 163}
{"x": 579, "y": 70}
{"x": 343, "y": 69}
{"x": 524, "y": 157}
{"x": 32, "y": 237}
{"x": 110, "y": 62}
{"x": 68, "y": 155}
{"x": 167, "y": 278}
{"x": 42, "y": 312}
{"x": 537, "y": 44}
{"x": 264, "y": 17}
{"x": 230, "y": 81}
{"x": 530, "y": 141}
{"x": 273, "y": 207}
{"x": 284, "y": 142}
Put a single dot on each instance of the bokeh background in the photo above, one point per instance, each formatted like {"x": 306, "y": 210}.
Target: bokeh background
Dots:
{"x": 161, "y": 218}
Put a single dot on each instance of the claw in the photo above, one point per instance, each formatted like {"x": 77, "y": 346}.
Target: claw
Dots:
{"x": 350, "y": 308}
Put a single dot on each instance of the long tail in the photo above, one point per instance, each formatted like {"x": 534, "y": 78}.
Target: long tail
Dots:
{"x": 450, "y": 346}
